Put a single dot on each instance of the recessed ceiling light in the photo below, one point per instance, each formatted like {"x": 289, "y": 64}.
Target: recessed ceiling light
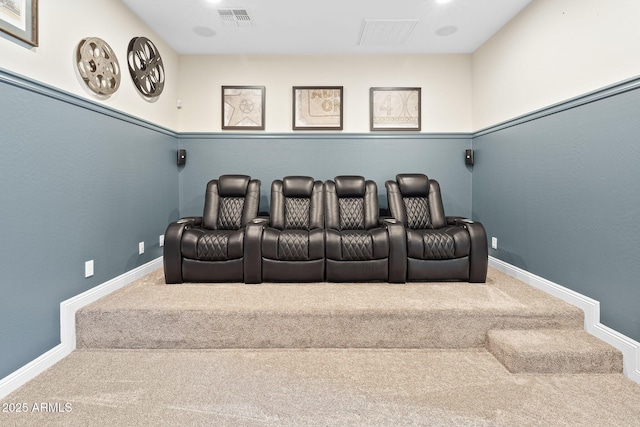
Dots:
{"x": 203, "y": 31}
{"x": 442, "y": 1}
{"x": 446, "y": 31}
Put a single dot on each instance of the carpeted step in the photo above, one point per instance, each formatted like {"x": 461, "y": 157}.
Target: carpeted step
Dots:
{"x": 558, "y": 351}
{"x": 150, "y": 314}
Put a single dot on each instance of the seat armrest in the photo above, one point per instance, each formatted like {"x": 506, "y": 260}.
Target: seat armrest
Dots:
{"x": 457, "y": 220}
{"x": 266, "y": 216}
{"x": 190, "y": 221}
{"x": 386, "y": 220}
{"x": 479, "y": 255}
{"x": 172, "y": 256}
{"x": 253, "y": 250}
{"x": 397, "y": 250}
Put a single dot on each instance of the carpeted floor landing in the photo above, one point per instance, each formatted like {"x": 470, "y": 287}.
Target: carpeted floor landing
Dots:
{"x": 316, "y": 387}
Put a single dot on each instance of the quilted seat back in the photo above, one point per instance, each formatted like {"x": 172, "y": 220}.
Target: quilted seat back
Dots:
{"x": 351, "y": 203}
{"x": 296, "y": 203}
{"x": 415, "y": 200}
{"x": 231, "y": 202}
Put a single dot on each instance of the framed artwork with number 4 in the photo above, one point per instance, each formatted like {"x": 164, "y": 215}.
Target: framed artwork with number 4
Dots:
{"x": 395, "y": 108}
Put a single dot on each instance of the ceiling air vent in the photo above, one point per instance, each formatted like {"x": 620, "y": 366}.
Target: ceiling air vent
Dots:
{"x": 386, "y": 31}
{"x": 235, "y": 17}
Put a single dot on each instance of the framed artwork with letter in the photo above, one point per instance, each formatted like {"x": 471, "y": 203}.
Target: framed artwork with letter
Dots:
{"x": 317, "y": 107}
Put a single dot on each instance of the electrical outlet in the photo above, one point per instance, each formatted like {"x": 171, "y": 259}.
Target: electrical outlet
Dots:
{"x": 88, "y": 268}
{"x": 140, "y": 248}
{"x": 161, "y": 240}
{"x": 494, "y": 243}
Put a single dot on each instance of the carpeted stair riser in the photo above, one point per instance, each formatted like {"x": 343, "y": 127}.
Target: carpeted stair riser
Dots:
{"x": 341, "y": 329}
{"x": 150, "y": 314}
{"x": 553, "y": 352}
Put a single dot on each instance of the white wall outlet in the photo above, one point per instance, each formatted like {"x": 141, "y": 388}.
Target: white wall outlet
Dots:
{"x": 161, "y": 240}
{"x": 140, "y": 248}
{"x": 494, "y": 243}
{"x": 88, "y": 268}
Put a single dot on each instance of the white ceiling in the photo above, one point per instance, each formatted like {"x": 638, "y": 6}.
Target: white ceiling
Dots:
{"x": 327, "y": 26}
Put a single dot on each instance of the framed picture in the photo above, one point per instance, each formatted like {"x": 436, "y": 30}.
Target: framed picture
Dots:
{"x": 395, "y": 108}
{"x": 19, "y": 19}
{"x": 243, "y": 107}
{"x": 317, "y": 107}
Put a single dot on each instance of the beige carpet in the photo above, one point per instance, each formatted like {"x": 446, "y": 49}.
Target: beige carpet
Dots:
{"x": 427, "y": 362}
{"x": 316, "y": 387}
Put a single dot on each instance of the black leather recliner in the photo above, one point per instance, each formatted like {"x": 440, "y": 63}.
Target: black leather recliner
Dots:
{"x": 289, "y": 246}
{"x": 211, "y": 248}
{"x": 359, "y": 247}
{"x": 439, "y": 247}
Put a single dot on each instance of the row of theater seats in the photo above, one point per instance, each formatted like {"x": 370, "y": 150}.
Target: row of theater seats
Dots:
{"x": 327, "y": 231}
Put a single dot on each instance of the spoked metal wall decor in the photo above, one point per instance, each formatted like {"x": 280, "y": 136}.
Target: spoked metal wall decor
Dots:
{"x": 146, "y": 67}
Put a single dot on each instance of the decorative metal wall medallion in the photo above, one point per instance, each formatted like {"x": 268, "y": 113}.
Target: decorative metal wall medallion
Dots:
{"x": 98, "y": 66}
{"x": 145, "y": 66}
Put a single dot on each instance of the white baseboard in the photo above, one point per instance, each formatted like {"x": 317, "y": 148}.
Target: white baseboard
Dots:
{"x": 32, "y": 369}
{"x": 630, "y": 349}
{"x": 68, "y": 310}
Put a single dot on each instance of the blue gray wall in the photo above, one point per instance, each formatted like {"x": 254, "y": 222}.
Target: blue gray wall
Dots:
{"x": 559, "y": 189}
{"x": 323, "y": 156}
{"x": 78, "y": 182}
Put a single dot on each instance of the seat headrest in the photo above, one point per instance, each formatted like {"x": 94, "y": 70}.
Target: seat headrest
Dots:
{"x": 297, "y": 186}
{"x": 233, "y": 185}
{"x": 350, "y": 186}
{"x": 413, "y": 184}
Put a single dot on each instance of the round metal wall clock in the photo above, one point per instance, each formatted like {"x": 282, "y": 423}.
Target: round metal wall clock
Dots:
{"x": 146, "y": 67}
{"x": 98, "y": 65}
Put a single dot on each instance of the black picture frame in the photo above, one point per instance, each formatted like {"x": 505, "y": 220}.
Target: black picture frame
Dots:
{"x": 317, "y": 107}
{"x": 243, "y": 107}
{"x": 395, "y": 109}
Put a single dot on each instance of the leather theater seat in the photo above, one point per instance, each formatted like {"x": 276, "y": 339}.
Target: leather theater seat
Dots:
{"x": 211, "y": 248}
{"x": 439, "y": 247}
{"x": 289, "y": 246}
{"x": 359, "y": 247}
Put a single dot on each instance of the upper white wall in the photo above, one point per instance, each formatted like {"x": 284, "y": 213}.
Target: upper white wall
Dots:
{"x": 552, "y": 51}
{"x": 62, "y": 24}
{"x": 445, "y": 81}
